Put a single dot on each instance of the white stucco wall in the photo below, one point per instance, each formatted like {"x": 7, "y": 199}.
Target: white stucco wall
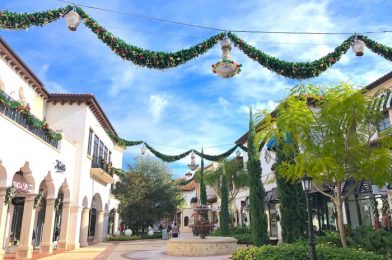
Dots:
{"x": 13, "y": 82}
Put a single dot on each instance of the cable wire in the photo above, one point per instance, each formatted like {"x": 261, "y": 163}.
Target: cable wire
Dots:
{"x": 221, "y": 29}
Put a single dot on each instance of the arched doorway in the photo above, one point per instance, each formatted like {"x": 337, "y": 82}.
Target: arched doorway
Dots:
{"x": 186, "y": 221}
{"x": 40, "y": 215}
{"x": 22, "y": 187}
{"x": 96, "y": 219}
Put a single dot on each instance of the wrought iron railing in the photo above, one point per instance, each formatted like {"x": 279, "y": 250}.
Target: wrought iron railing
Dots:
{"x": 99, "y": 162}
{"x": 22, "y": 119}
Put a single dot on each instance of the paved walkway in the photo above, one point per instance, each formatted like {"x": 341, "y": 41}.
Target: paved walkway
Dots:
{"x": 141, "y": 249}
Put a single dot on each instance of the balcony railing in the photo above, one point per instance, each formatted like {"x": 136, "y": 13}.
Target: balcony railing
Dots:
{"x": 24, "y": 119}
{"x": 99, "y": 162}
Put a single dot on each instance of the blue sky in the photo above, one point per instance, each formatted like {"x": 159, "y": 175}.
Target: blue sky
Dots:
{"x": 189, "y": 106}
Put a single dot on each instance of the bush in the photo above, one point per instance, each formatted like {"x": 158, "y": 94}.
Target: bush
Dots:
{"x": 377, "y": 241}
{"x": 157, "y": 235}
{"x": 299, "y": 250}
{"x": 363, "y": 237}
{"x": 242, "y": 234}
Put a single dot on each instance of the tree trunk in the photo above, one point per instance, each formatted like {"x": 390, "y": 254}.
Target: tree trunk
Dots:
{"x": 339, "y": 211}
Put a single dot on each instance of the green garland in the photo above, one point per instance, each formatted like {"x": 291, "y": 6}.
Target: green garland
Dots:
{"x": 20, "y": 21}
{"x": 38, "y": 199}
{"x": 376, "y": 47}
{"x": 216, "y": 158}
{"x": 294, "y": 70}
{"x": 167, "y": 158}
{"x": 120, "y": 141}
{"x": 184, "y": 182}
{"x": 163, "y": 60}
{"x": 9, "y": 194}
{"x": 147, "y": 58}
{"x": 30, "y": 118}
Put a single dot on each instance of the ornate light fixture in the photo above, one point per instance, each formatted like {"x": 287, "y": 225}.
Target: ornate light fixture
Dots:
{"x": 143, "y": 149}
{"x": 193, "y": 166}
{"x": 307, "y": 183}
{"x": 358, "y": 47}
{"x": 227, "y": 67}
{"x": 72, "y": 19}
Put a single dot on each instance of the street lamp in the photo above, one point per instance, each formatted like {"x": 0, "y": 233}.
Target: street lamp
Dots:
{"x": 307, "y": 186}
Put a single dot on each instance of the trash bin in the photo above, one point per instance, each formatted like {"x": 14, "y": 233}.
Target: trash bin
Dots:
{"x": 165, "y": 234}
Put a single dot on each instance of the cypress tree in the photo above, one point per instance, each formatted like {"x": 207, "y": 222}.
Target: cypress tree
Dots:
{"x": 258, "y": 219}
{"x": 203, "y": 192}
{"x": 225, "y": 216}
{"x": 292, "y": 203}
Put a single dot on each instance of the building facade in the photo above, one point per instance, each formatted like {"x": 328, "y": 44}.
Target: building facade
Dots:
{"x": 56, "y": 165}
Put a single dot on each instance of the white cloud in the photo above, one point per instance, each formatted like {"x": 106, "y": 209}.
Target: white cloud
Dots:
{"x": 270, "y": 105}
{"x": 157, "y": 105}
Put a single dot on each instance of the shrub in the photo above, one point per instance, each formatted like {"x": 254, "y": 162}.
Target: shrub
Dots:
{"x": 242, "y": 234}
{"x": 299, "y": 250}
{"x": 377, "y": 241}
{"x": 157, "y": 235}
{"x": 363, "y": 237}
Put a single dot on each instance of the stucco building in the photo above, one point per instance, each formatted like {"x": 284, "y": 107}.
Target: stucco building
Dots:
{"x": 56, "y": 165}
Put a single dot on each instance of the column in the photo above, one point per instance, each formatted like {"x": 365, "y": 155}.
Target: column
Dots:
{"x": 99, "y": 226}
{"x": 3, "y": 216}
{"x": 10, "y": 215}
{"x": 74, "y": 232}
{"x": 25, "y": 248}
{"x": 115, "y": 221}
{"x": 47, "y": 238}
{"x": 105, "y": 225}
{"x": 84, "y": 227}
{"x": 63, "y": 240}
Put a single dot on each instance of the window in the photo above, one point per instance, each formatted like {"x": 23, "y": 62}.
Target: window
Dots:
{"x": 110, "y": 156}
{"x": 105, "y": 153}
{"x": 96, "y": 146}
{"x": 90, "y": 137}
{"x": 385, "y": 122}
{"x": 101, "y": 146}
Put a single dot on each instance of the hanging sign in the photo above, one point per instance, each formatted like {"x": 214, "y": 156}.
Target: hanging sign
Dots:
{"x": 21, "y": 186}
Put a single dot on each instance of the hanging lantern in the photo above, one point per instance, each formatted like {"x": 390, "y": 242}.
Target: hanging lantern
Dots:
{"x": 72, "y": 19}
{"x": 358, "y": 47}
{"x": 238, "y": 153}
{"x": 193, "y": 166}
{"x": 143, "y": 149}
{"x": 226, "y": 68}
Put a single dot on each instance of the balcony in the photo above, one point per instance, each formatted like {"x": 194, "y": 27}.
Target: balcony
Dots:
{"x": 13, "y": 110}
{"x": 102, "y": 170}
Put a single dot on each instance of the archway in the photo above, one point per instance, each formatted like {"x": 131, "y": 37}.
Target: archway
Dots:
{"x": 96, "y": 219}
{"x": 186, "y": 221}
{"x": 23, "y": 184}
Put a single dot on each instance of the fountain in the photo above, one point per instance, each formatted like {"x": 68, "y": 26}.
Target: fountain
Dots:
{"x": 203, "y": 246}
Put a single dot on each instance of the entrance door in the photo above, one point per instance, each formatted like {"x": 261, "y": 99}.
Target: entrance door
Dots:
{"x": 17, "y": 216}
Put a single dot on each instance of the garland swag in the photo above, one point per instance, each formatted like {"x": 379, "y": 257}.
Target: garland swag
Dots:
{"x": 20, "y": 21}
{"x": 163, "y": 60}
{"x": 147, "y": 58}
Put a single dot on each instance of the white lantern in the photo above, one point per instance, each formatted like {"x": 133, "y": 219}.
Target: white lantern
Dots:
{"x": 150, "y": 233}
{"x": 193, "y": 166}
{"x": 72, "y": 19}
{"x": 128, "y": 232}
{"x": 143, "y": 149}
{"x": 117, "y": 233}
{"x": 226, "y": 68}
{"x": 358, "y": 47}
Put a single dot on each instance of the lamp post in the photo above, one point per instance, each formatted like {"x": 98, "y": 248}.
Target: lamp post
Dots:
{"x": 307, "y": 186}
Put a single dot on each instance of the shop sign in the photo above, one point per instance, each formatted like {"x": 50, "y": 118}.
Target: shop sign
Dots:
{"x": 21, "y": 186}
{"x": 59, "y": 166}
